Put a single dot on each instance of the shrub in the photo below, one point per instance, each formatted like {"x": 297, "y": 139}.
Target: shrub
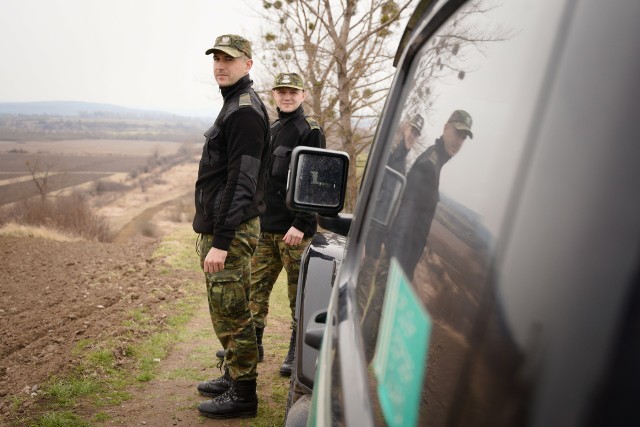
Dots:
{"x": 102, "y": 187}
{"x": 70, "y": 214}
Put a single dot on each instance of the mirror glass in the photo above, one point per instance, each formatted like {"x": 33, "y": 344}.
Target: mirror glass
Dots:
{"x": 319, "y": 180}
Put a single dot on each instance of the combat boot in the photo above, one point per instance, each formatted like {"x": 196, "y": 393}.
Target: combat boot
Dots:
{"x": 240, "y": 401}
{"x": 216, "y": 387}
{"x": 259, "y": 333}
{"x": 287, "y": 365}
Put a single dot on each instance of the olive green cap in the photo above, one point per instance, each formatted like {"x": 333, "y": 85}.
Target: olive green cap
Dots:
{"x": 232, "y": 44}
{"x": 461, "y": 120}
{"x": 417, "y": 122}
{"x": 293, "y": 80}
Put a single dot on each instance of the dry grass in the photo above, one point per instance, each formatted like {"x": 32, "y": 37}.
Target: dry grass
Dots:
{"x": 182, "y": 210}
{"x": 70, "y": 215}
{"x": 19, "y": 230}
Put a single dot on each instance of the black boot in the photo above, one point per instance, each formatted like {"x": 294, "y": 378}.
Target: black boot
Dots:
{"x": 287, "y": 365}
{"x": 240, "y": 401}
{"x": 259, "y": 333}
{"x": 216, "y": 387}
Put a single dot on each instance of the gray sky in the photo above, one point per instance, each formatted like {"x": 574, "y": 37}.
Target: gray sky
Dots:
{"x": 133, "y": 53}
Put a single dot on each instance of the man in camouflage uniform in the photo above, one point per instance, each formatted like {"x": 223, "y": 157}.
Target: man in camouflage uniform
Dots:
{"x": 284, "y": 234}
{"x": 397, "y": 161}
{"x": 229, "y": 197}
{"x": 417, "y": 207}
{"x": 408, "y": 232}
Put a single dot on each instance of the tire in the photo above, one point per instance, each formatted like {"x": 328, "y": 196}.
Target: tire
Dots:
{"x": 296, "y": 391}
{"x": 298, "y": 414}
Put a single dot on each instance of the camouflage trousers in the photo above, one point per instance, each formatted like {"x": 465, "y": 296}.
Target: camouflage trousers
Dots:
{"x": 228, "y": 294}
{"x": 271, "y": 255}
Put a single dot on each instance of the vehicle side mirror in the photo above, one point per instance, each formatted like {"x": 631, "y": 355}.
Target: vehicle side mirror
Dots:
{"x": 317, "y": 180}
{"x": 388, "y": 199}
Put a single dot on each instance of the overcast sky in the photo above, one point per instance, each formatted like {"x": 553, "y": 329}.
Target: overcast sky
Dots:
{"x": 133, "y": 53}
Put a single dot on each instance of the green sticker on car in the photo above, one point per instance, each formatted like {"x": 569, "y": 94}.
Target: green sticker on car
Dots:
{"x": 401, "y": 350}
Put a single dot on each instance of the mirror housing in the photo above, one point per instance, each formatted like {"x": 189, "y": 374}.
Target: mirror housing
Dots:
{"x": 393, "y": 183}
{"x": 317, "y": 180}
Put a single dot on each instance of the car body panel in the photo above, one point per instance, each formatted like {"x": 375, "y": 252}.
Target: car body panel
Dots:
{"x": 531, "y": 269}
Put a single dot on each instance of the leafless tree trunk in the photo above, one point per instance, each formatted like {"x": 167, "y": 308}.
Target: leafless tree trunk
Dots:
{"x": 40, "y": 176}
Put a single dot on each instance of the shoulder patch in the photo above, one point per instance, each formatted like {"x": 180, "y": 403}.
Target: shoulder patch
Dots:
{"x": 313, "y": 123}
{"x": 433, "y": 157}
{"x": 245, "y": 100}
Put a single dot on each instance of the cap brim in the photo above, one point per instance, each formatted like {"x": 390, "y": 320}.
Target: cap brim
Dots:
{"x": 416, "y": 128}
{"x": 291, "y": 86}
{"x": 462, "y": 126}
{"x": 228, "y": 50}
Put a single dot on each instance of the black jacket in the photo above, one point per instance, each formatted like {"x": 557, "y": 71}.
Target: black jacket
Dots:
{"x": 232, "y": 172}
{"x": 411, "y": 226}
{"x": 289, "y": 131}
{"x": 398, "y": 157}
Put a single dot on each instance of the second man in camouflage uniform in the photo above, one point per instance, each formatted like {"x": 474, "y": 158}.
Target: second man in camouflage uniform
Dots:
{"x": 284, "y": 234}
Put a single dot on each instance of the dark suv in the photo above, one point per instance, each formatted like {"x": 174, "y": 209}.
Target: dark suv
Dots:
{"x": 490, "y": 272}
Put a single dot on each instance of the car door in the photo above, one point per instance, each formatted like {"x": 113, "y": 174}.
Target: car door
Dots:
{"x": 494, "y": 279}
{"x": 416, "y": 299}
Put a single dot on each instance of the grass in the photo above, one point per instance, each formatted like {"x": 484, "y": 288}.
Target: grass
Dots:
{"x": 100, "y": 381}
{"x": 65, "y": 392}
{"x": 20, "y": 230}
{"x": 61, "y": 419}
{"x": 70, "y": 215}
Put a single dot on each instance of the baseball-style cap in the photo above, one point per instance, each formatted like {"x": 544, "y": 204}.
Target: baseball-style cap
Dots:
{"x": 232, "y": 44}
{"x": 293, "y": 80}
{"x": 417, "y": 122}
{"x": 461, "y": 120}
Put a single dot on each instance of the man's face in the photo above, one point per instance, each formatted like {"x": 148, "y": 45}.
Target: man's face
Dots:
{"x": 411, "y": 135}
{"x": 453, "y": 139}
{"x": 288, "y": 99}
{"x": 228, "y": 70}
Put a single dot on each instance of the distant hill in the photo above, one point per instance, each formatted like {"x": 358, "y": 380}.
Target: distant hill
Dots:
{"x": 59, "y": 120}
{"x": 70, "y": 108}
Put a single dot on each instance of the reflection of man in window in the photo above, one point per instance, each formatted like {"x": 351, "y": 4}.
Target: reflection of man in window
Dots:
{"x": 411, "y": 226}
{"x": 410, "y": 134}
{"x": 406, "y": 236}
{"x": 397, "y": 161}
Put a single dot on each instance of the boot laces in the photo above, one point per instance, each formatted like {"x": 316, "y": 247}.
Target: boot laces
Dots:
{"x": 227, "y": 396}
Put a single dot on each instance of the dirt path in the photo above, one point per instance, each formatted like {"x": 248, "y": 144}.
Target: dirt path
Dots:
{"x": 171, "y": 399}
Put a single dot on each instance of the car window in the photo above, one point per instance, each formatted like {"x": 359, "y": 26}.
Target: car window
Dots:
{"x": 442, "y": 194}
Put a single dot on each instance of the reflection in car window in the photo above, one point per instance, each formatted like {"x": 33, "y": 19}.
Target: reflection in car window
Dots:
{"x": 459, "y": 135}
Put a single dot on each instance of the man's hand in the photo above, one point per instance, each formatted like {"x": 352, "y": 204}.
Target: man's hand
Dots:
{"x": 293, "y": 237}
{"x": 214, "y": 260}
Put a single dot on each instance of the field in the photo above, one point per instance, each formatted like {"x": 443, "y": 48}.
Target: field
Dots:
{"x": 114, "y": 333}
{"x": 71, "y": 163}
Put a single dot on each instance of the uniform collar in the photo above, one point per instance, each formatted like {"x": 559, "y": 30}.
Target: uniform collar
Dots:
{"x": 244, "y": 82}
{"x": 285, "y": 117}
{"x": 443, "y": 156}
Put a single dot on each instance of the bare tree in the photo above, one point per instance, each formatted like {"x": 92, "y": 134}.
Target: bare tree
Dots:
{"x": 447, "y": 53}
{"x": 40, "y": 175}
{"x": 342, "y": 50}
